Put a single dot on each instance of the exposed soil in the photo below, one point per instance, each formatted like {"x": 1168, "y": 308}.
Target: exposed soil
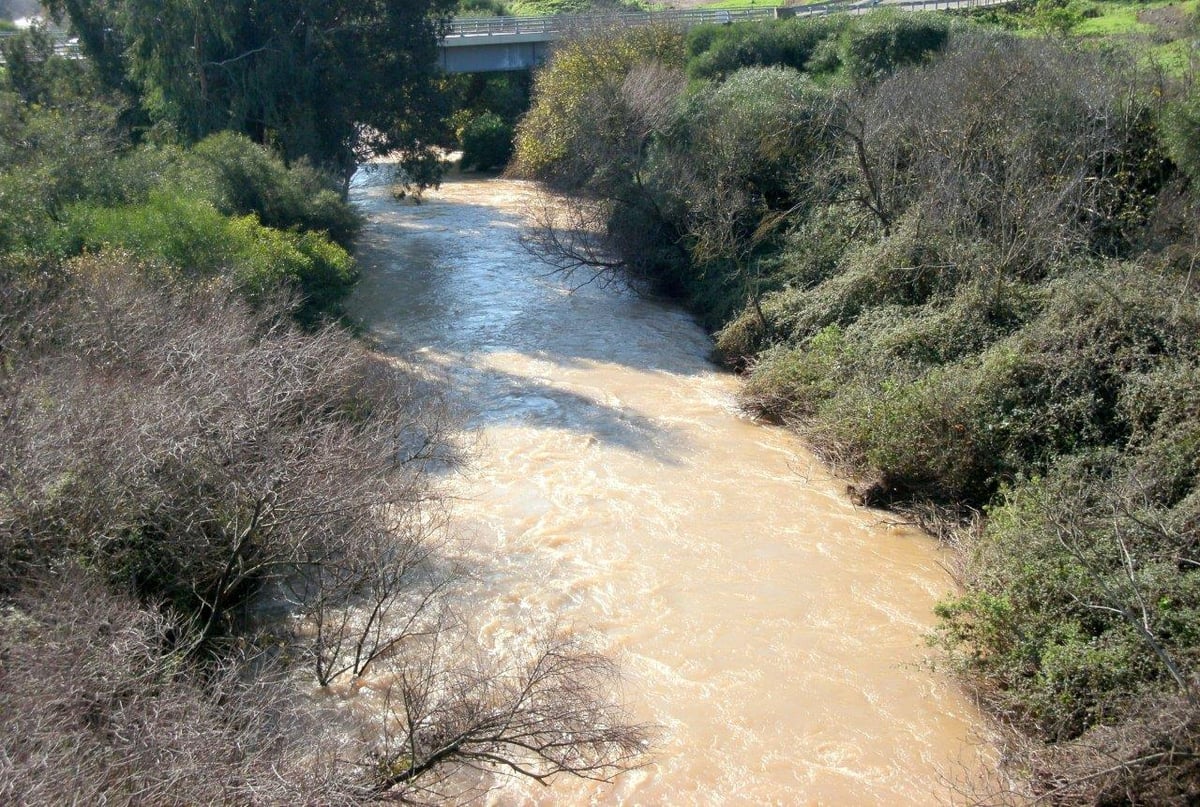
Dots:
{"x": 1171, "y": 20}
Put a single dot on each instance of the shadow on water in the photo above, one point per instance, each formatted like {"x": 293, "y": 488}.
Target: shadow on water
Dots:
{"x": 448, "y": 285}
{"x": 491, "y": 396}
{"x": 454, "y": 274}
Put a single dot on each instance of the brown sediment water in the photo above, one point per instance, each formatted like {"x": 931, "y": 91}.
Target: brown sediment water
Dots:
{"x": 770, "y": 627}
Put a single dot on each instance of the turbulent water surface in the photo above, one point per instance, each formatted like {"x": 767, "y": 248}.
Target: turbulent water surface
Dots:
{"x": 769, "y": 626}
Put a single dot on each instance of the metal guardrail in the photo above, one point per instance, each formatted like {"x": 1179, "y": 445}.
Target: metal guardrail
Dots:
{"x": 471, "y": 27}
{"x": 462, "y": 28}
{"x": 63, "y": 45}
{"x": 563, "y": 23}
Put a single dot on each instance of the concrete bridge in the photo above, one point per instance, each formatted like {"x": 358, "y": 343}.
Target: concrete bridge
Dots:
{"x": 494, "y": 44}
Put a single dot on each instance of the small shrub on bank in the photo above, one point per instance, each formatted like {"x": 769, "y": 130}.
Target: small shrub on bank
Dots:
{"x": 1077, "y": 602}
{"x": 1181, "y": 133}
{"x": 886, "y": 41}
{"x": 487, "y": 143}
{"x": 718, "y": 51}
{"x": 243, "y": 178}
{"x": 191, "y": 236}
{"x": 793, "y": 382}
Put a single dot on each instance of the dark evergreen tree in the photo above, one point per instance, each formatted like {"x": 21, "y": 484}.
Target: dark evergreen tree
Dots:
{"x": 330, "y": 81}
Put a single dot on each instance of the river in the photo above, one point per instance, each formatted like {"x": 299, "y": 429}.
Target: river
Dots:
{"x": 770, "y": 627}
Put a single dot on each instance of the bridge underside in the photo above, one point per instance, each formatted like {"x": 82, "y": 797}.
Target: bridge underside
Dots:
{"x": 493, "y": 57}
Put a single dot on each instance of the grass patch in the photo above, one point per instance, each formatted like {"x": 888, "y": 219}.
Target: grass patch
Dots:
{"x": 548, "y": 8}
{"x": 740, "y": 4}
{"x": 1114, "y": 19}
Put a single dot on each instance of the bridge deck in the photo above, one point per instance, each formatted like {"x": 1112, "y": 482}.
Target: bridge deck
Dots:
{"x": 487, "y": 44}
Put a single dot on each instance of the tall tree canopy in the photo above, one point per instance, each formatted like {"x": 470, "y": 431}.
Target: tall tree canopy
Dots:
{"x": 332, "y": 81}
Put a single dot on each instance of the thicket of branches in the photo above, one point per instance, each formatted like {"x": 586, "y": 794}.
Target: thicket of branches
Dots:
{"x": 964, "y": 265}
{"x": 217, "y": 513}
{"x": 202, "y": 508}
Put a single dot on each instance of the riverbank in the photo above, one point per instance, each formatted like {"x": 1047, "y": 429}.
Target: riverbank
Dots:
{"x": 619, "y": 490}
{"x": 974, "y": 289}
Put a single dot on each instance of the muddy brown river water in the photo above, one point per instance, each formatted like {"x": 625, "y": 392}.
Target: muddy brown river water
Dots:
{"x": 770, "y": 627}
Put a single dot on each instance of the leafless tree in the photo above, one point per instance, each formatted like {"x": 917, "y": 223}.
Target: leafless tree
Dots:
{"x": 607, "y": 171}
{"x": 365, "y": 601}
{"x": 545, "y": 716}
{"x": 569, "y": 235}
{"x": 201, "y": 460}
{"x": 100, "y": 704}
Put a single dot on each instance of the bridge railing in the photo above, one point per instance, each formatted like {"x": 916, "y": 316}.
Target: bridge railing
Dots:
{"x": 463, "y": 27}
{"x": 63, "y": 44}
{"x": 563, "y": 23}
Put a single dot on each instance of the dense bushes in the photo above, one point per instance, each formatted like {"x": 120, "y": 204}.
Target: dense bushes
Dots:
{"x": 71, "y": 182}
{"x": 861, "y": 49}
{"x": 555, "y": 140}
{"x": 974, "y": 287}
{"x": 246, "y": 510}
{"x": 889, "y": 40}
{"x": 486, "y": 107}
{"x": 241, "y": 178}
{"x": 487, "y": 142}
{"x": 716, "y": 51}
{"x": 177, "y": 231}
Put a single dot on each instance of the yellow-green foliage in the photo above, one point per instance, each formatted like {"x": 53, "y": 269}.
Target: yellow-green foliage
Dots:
{"x": 192, "y": 237}
{"x": 580, "y": 67}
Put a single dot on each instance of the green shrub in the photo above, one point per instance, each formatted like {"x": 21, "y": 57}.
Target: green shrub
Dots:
{"x": 885, "y": 41}
{"x": 920, "y": 436}
{"x": 51, "y": 158}
{"x": 487, "y": 142}
{"x": 742, "y": 152}
{"x": 814, "y": 246}
{"x": 193, "y": 237}
{"x": 792, "y": 382}
{"x": 481, "y": 8}
{"x": 718, "y": 51}
{"x": 978, "y": 316}
{"x": 907, "y": 268}
{"x": 1068, "y": 572}
{"x": 1181, "y": 134}
{"x": 240, "y": 178}
{"x": 1162, "y": 408}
